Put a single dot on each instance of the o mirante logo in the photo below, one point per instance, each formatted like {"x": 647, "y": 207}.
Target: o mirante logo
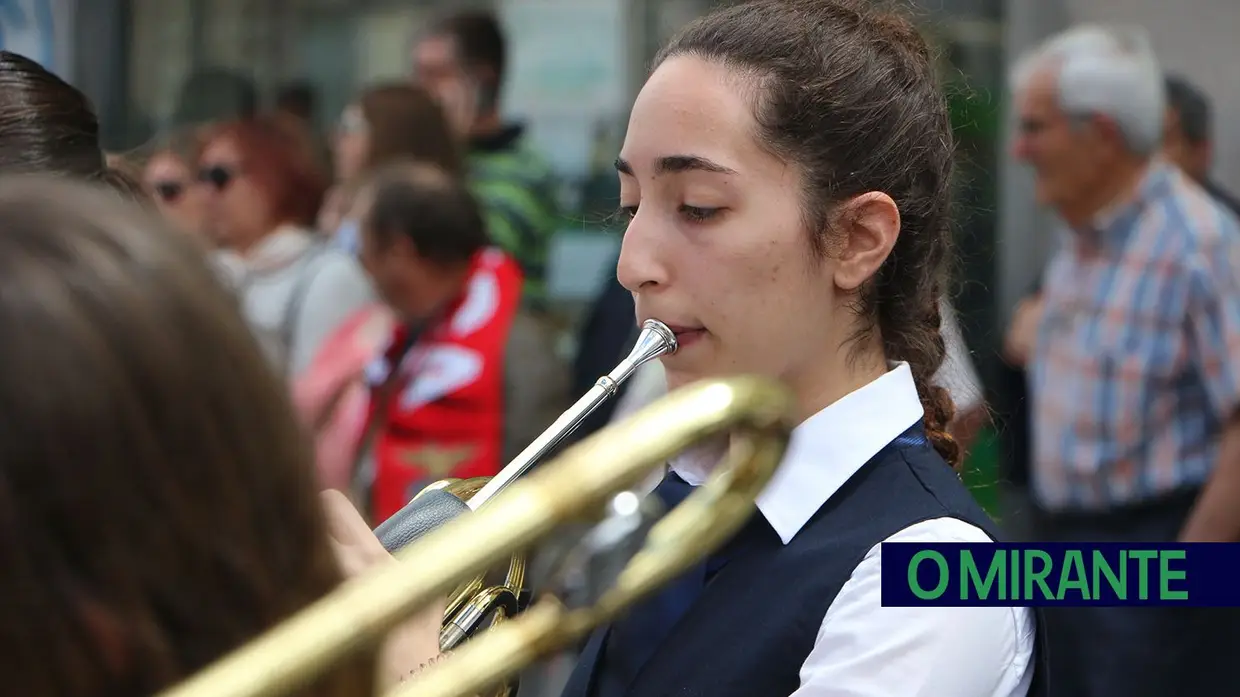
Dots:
{"x": 1000, "y": 574}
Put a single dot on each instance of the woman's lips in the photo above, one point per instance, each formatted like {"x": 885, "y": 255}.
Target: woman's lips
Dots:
{"x": 686, "y": 337}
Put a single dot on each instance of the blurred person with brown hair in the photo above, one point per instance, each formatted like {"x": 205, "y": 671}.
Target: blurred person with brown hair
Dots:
{"x": 169, "y": 174}
{"x": 462, "y": 61}
{"x": 264, "y": 186}
{"x": 1187, "y": 137}
{"x": 140, "y": 542}
{"x": 389, "y": 122}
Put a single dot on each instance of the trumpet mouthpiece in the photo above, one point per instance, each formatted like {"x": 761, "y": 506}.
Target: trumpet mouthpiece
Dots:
{"x": 655, "y": 340}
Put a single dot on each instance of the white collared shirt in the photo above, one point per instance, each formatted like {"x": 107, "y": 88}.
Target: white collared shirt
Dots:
{"x": 864, "y": 649}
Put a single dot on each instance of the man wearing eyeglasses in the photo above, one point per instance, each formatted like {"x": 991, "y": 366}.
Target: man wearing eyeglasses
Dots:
{"x": 462, "y": 61}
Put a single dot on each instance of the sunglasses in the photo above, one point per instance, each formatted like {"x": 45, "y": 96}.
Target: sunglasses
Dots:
{"x": 217, "y": 176}
{"x": 168, "y": 191}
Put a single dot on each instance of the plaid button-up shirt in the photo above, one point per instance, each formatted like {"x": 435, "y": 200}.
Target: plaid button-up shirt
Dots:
{"x": 1137, "y": 362}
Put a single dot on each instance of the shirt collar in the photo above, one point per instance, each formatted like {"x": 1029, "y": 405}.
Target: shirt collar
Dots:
{"x": 1111, "y": 225}
{"x": 827, "y": 449}
{"x": 273, "y": 253}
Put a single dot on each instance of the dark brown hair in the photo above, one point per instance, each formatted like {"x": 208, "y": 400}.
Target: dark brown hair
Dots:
{"x": 480, "y": 46}
{"x": 279, "y": 154}
{"x": 49, "y": 127}
{"x": 429, "y": 207}
{"x": 406, "y": 123}
{"x": 848, "y": 92}
{"x": 46, "y": 125}
{"x": 157, "y": 502}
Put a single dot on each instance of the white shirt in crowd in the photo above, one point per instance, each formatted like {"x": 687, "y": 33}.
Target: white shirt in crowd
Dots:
{"x": 295, "y": 290}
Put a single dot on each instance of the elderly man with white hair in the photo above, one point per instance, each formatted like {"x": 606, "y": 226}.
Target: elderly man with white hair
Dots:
{"x": 1135, "y": 369}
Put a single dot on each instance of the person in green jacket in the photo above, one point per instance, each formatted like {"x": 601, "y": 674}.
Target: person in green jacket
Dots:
{"x": 462, "y": 60}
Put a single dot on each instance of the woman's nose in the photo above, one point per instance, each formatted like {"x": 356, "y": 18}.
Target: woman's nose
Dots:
{"x": 641, "y": 265}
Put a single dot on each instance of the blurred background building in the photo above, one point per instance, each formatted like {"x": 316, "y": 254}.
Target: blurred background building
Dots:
{"x": 575, "y": 66}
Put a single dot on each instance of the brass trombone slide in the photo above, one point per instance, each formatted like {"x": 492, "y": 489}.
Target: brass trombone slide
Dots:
{"x": 574, "y": 489}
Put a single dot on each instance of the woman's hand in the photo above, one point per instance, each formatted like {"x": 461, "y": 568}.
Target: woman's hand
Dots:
{"x": 358, "y": 550}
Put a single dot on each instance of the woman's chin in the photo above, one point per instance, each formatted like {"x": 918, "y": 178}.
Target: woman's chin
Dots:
{"x": 677, "y": 379}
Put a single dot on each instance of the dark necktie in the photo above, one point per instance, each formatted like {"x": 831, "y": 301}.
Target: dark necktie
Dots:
{"x": 634, "y": 638}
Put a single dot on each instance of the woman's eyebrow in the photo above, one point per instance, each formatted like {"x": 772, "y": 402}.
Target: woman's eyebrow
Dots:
{"x": 674, "y": 164}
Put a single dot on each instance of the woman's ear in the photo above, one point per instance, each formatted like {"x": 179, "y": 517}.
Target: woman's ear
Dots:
{"x": 867, "y": 228}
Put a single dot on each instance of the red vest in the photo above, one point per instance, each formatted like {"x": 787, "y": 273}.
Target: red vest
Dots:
{"x": 445, "y": 415}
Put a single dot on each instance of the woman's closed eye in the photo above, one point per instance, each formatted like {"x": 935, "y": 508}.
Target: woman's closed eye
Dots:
{"x": 698, "y": 214}
{"x": 693, "y": 214}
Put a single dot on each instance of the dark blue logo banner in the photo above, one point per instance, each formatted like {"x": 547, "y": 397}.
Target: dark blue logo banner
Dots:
{"x": 1035, "y": 575}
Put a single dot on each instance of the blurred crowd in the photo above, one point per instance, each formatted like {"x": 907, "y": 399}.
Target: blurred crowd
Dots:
{"x": 422, "y": 211}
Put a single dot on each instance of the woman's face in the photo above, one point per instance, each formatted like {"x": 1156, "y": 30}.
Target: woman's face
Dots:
{"x": 238, "y": 213}
{"x": 351, "y": 145}
{"x": 171, "y": 182}
{"x": 717, "y": 247}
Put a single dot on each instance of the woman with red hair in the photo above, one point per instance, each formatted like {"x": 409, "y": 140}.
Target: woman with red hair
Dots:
{"x": 265, "y": 186}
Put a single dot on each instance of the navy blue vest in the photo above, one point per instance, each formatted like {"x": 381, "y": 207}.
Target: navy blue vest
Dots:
{"x": 757, "y": 619}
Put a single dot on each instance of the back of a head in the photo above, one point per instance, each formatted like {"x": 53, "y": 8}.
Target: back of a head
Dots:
{"x": 849, "y": 94}
{"x": 46, "y": 125}
{"x": 157, "y": 501}
{"x": 430, "y": 208}
{"x": 1192, "y": 108}
{"x": 1108, "y": 71}
{"x": 406, "y": 123}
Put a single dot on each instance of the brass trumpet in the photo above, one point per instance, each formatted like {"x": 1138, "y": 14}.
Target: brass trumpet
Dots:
{"x": 480, "y": 602}
{"x": 590, "y": 485}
